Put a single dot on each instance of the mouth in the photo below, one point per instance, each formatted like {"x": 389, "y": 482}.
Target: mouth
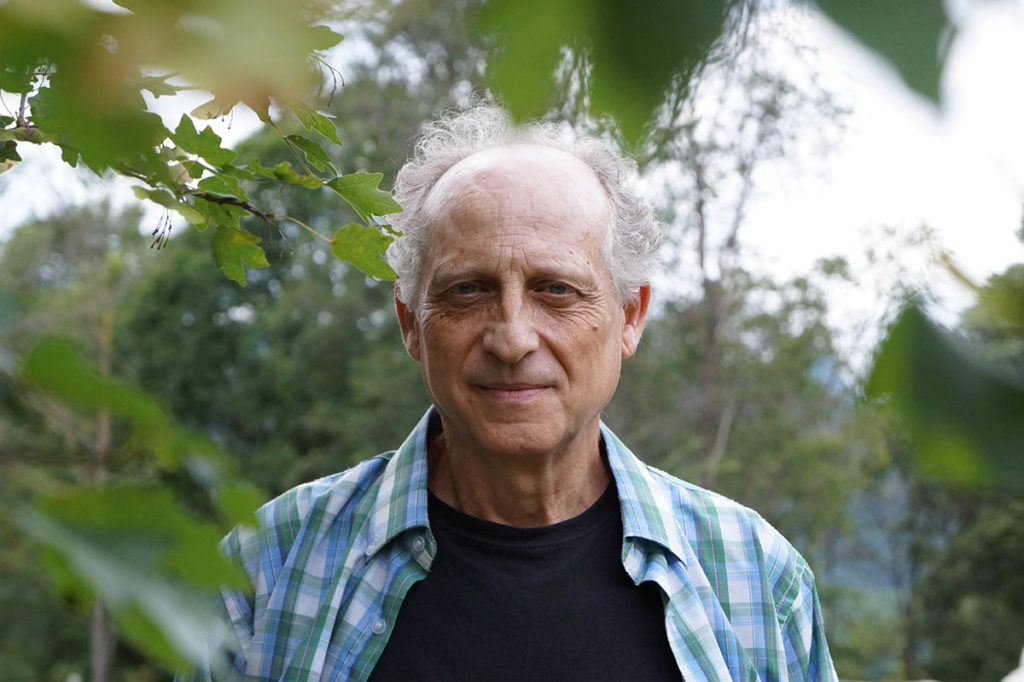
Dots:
{"x": 512, "y": 393}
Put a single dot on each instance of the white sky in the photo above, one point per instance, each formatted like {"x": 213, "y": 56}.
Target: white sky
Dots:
{"x": 901, "y": 163}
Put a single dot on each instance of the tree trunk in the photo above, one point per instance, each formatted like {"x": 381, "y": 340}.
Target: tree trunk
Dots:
{"x": 100, "y": 638}
{"x": 99, "y": 643}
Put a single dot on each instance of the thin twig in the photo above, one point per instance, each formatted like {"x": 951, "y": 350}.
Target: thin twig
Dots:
{"x": 305, "y": 227}
{"x": 21, "y": 110}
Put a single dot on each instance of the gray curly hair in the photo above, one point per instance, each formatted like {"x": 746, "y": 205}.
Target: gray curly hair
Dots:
{"x": 630, "y": 252}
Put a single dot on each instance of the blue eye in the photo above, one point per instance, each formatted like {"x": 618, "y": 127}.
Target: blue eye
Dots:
{"x": 465, "y": 288}
{"x": 557, "y": 289}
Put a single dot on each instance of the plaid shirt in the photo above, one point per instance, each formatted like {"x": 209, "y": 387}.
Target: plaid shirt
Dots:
{"x": 334, "y": 559}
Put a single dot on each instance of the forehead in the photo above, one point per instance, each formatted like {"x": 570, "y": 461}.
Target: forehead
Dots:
{"x": 532, "y": 181}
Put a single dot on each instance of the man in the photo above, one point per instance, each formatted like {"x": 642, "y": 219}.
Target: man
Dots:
{"x": 512, "y": 536}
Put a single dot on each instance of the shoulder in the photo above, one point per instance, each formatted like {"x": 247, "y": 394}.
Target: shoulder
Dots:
{"x": 733, "y": 542}
{"x": 309, "y": 508}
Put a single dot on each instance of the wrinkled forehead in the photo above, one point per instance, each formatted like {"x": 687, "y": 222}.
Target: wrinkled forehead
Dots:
{"x": 526, "y": 174}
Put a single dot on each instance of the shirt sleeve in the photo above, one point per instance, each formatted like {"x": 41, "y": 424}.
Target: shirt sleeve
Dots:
{"x": 803, "y": 634}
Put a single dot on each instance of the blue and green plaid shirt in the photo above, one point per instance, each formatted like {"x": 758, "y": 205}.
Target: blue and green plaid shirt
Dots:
{"x": 334, "y": 559}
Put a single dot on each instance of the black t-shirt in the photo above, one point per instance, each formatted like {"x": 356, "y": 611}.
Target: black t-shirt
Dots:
{"x": 548, "y": 603}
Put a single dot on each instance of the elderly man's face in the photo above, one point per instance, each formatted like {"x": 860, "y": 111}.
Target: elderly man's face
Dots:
{"x": 518, "y": 329}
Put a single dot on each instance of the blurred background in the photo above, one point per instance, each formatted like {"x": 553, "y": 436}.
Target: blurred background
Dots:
{"x": 837, "y": 339}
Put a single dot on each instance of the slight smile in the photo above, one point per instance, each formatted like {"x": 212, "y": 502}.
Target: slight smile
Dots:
{"x": 512, "y": 393}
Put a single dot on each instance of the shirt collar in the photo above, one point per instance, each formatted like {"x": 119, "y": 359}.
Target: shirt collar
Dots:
{"x": 647, "y": 504}
{"x": 401, "y": 502}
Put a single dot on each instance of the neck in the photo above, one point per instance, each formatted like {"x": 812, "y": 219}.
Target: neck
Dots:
{"x": 522, "y": 492}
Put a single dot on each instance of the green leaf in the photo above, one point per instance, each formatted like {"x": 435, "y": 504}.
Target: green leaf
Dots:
{"x": 364, "y": 248}
{"x": 233, "y": 249}
{"x": 224, "y": 215}
{"x": 223, "y": 184}
{"x": 16, "y": 80}
{"x": 283, "y": 172}
{"x": 238, "y": 502}
{"x": 236, "y": 172}
{"x": 314, "y": 120}
{"x": 314, "y": 153}
{"x": 965, "y": 420}
{"x": 635, "y": 48}
{"x": 8, "y": 155}
{"x": 154, "y": 564}
{"x": 56, "y": 367}
{"x": 169, "y": 201}
{"x": 361, "y": 192}
{"x": 206, "y": 144}
{"x": 158, "y": 86}
{"x": 195, "y": 168}
{"x": 189, "y": 213}
{"x": 909, "y": 34}
{"x": 214, "y": 108}
{"x": 323, "y": 38}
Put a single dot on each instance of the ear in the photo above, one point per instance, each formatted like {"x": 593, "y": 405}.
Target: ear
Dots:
{"x": 410, "y": 327}
{"x": 634, "y": 314}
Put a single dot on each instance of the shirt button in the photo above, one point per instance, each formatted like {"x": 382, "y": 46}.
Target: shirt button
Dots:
{"x": 418, "y": 544}
{"x": 379, "y": 626}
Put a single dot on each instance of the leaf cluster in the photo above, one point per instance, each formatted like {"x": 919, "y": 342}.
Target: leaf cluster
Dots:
{"x": 84, "y": 79}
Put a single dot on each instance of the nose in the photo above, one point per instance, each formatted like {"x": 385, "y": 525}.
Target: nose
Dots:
{"x": 512, "y": 336}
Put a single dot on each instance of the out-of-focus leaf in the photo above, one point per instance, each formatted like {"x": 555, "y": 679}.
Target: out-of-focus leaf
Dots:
{"x": 9, "y": 156}
{"x": 361, "y": 191}
{"x": 1000, "y": 305}
{"x": 109, "y": 127}
{"x": 635, "y": 49}
{"x": 155, "y": 566}
{"x": 909, "y": 34}
{"x": 152, "y": 511}
{"x": 238, "y": 502}
{"x": 158, "y": 86}
{"x": 323, "y": 38}
{"x": 233, "y": 249}
{"x": 965, "y": 421}
{"x": 55, "y": 366}
{"x": 214, "y": 108}
{"x": 206, "y": 144}
{"x": 314, "y": 153}
{"x": 364, "y": 248}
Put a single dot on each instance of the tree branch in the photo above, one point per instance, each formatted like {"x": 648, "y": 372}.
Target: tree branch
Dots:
{"x": 233, "y": 201}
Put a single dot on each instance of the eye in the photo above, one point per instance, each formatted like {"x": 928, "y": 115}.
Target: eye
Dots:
{"x": 465, "y": 288}
{"x": 557, "y": 289}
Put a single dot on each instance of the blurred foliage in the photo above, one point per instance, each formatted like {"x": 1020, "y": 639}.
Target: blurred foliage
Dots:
{"x": 127, "y": 505}
{"x": 79, "y": 74}
{"x": 913, "y": 36}
{"x": 636, "y": 53}
{"x": 634, "y": 50}
{"x": 964, "y": 417}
